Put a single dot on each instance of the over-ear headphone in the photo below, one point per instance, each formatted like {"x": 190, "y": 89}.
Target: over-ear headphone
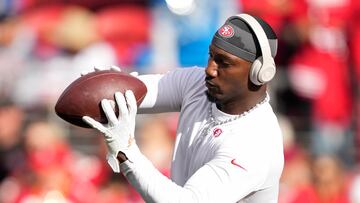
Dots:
{"x": 263, "y": 68}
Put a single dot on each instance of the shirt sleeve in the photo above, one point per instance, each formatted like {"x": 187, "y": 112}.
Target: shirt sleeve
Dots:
{"x": 166, "y": 92}
{"x": 219, "y": 180}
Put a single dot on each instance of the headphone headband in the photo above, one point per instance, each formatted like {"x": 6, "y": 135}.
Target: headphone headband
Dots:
{"x": 260, "y": 35}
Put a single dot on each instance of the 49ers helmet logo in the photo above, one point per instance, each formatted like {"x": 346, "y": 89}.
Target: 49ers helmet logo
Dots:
{"x": 226, "y": 31}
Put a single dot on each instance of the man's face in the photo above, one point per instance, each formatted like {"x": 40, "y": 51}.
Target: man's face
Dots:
{"x": 227, "y": 76}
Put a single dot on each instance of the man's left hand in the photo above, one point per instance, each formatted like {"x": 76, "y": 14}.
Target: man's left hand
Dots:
{"x": 119, "y": 131}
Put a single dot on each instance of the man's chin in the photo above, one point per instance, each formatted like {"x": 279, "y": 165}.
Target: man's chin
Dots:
{"x": 210, "y": 96}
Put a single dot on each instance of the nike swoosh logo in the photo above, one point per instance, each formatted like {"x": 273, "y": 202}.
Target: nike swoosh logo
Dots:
{"x": 236, "y": 164}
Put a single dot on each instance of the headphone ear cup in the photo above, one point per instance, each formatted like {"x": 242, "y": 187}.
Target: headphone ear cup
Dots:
{"x": 261, "y": 73}
{"x": 255, "y": 70}
{"x": 267, "y": 72}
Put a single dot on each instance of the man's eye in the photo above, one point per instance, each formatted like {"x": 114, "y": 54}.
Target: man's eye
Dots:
{"x": 222, "y": 63}
{"x": 225, "y": 64}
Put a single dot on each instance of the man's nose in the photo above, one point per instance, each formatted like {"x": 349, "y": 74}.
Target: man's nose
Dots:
{"x": 211, "y": 69}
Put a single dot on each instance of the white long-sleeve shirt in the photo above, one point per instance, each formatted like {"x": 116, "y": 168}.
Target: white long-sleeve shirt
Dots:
{"x": 239, "y": 161}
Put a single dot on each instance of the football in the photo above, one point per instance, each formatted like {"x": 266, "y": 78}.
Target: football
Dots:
{"x": 83, "y": 96}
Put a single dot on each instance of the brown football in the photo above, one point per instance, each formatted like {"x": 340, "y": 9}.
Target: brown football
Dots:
{"x": 83, "y": 96}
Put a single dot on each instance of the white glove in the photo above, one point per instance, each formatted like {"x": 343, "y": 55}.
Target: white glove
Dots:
{"x": 112, "y": 67}
{"x": 118, "y": 132}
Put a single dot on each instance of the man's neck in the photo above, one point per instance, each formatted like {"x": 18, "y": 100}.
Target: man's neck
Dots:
{"x": 242, "y": 105}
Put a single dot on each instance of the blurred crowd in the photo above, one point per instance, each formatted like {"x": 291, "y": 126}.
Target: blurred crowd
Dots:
{"x": 45, "y": 45}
